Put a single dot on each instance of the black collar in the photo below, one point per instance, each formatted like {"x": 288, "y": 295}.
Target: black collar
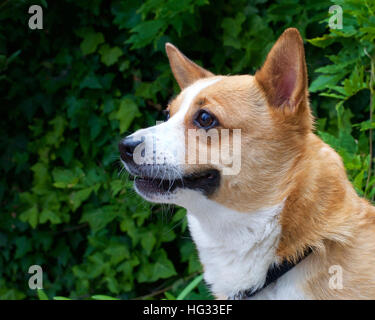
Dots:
{"x": 274, "y": 273}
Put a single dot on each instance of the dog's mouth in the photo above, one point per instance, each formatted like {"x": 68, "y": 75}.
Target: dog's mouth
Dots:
{"x": 206, "y": 181}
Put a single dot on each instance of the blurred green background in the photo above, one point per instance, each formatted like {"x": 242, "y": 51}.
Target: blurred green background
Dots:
{"x": 98, "y": 71}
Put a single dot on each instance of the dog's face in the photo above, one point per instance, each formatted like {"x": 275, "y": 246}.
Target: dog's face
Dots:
{"x": 231, "y": 139}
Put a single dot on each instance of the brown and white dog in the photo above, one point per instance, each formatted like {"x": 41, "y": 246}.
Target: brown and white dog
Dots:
{"x": 291, "y": 192}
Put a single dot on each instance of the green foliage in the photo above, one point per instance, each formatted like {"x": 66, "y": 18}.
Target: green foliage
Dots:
{"x": 98, "y": 71}
{"x": 348, "y": 81}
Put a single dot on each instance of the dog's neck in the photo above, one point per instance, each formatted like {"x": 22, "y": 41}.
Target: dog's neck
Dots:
{"x": 236, "y": 249}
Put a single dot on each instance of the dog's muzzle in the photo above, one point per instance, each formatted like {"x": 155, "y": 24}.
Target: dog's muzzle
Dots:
{"x": 164, "y": 178}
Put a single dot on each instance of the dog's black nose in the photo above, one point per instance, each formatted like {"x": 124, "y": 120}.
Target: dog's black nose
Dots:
{"x": 127, "y": 147}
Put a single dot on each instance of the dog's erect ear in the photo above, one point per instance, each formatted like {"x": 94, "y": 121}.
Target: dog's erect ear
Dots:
{"x": 184, "y": 70}
{"x": 283, "y": 76}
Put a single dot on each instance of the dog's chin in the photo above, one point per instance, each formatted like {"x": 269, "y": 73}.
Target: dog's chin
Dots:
{"x": 165, "y": 191}
{"x": 155, "y": 190}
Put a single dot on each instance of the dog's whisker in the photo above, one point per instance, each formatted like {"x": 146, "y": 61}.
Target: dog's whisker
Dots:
{"x": 121, "y": 171}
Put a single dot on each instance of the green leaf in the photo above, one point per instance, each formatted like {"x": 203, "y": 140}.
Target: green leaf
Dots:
{"x": 126, "y": 113}
{"x": 367, "y": 125}
{"x": 148, "y": 242}
{"x": 23, "y": 246}
{"x": 232, "y": 28}
{"x": 332, "y": 95}
{"x": 325, "y": 81}
{"x": 109, "y": 56}
{"x": 42, "y": 295}
{"x": 189, "y": 254}
{"x": 358, "y": 180}
{"x": 66, "y": 152}
{"x": 98, "y": 218}
{"x": 103, "y": 297}
{"x": 61, "y": 298}
{"x": 117, "y": 253}
{"x": 54, "y": 137}
{"x": 163, "y": 267}
{"x": 41, "y": 177}
{"x": 192, "y": 285}
{"x": 116, "y": 187}
{"x": 31, "y": 216}
{"x": 347, "y": 142}
{"x": 126, "y": 15}
{"x": 91, "y": 41}
{"x": 145, "y": 32}
{"x": 169, "y": 296}
{"x": 335, "y": 68}
{"x": 90, "y": 81}
{"x": 49, "y": 215}
{"x": 323, "y": 41}
{"x": 179, "y": 215}
{"x": 66, "y": 178}
{"x": 96, "y": 124}
{"x": 77, "y": 197}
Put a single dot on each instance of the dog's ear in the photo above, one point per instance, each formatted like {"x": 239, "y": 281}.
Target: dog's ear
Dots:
{"x": 184, "y": 70}
{"x": 283, "y": 76}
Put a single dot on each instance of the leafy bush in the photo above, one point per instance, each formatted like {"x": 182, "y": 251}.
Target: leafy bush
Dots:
{"x": 98, "y": 71}
{"x": 349, "y": 82}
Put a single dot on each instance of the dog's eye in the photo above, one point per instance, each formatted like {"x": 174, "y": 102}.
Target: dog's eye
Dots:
{"x": 166, "y": 114}
{"x": 205, "y": 120}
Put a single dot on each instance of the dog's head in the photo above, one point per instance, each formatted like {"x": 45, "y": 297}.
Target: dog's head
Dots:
{"x": 232, "y": 139}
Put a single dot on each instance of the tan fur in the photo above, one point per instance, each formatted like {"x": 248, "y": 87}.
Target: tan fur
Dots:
{"x": 283, "y": 160}
{"x": 185, "y": 71}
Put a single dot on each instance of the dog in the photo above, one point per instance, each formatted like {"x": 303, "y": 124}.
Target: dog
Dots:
{"x": 288, "y": 224}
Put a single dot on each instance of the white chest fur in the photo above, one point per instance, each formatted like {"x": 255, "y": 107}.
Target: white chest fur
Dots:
{"x": 235, "y": 248}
